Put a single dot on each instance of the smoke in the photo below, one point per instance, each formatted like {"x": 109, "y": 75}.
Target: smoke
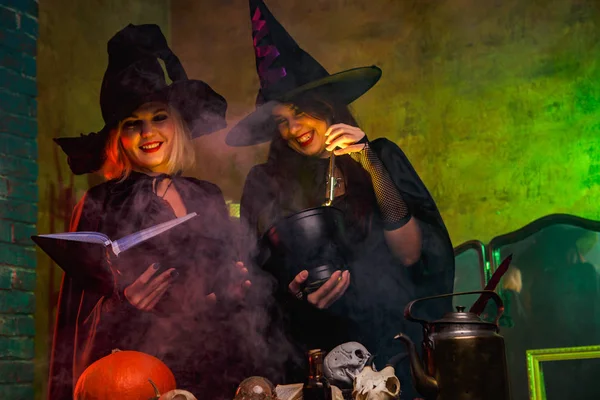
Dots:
{"x": 223, "y": 165}
{"x": 211, "y": 347}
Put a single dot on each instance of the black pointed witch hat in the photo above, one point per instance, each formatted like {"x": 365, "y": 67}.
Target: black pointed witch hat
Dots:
{"x": 285, "y": 72}
{"x": 134, "y": 76}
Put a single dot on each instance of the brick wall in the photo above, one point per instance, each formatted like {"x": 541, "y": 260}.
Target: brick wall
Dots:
{"x": 18, "y": 195}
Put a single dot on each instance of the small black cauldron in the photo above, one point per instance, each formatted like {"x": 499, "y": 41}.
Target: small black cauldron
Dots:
{"x": 313, "y": 240}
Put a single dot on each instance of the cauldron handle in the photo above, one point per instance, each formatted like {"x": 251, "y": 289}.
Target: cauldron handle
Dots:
{"x": 331, "y": 181}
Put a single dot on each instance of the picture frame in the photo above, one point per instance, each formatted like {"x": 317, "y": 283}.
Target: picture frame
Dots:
{"x": 535, "y": 375}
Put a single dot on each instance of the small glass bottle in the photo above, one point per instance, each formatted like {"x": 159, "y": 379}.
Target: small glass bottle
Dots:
{"x": 316, "y": 386}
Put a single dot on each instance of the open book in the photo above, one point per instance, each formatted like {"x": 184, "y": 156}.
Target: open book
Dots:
{"x": 84, "y": 255}
{"x": 289, "y": 392}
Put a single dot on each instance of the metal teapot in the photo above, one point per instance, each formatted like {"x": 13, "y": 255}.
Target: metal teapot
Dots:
{"x": 464, "y": 357}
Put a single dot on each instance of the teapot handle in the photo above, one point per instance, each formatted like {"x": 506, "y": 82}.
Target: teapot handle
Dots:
{"x": 499, "y": 305}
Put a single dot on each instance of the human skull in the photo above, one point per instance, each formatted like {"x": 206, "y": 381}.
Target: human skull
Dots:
{"x": 376, "y": 385}
{"x": 345, "y": 362}
{"x": 255, "y": 388}
{"x": 177, "y": 394}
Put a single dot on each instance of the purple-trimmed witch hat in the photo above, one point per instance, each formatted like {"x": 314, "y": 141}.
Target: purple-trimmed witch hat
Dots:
{"x": 285, "y": 72}
{"x": 134, "y": 76}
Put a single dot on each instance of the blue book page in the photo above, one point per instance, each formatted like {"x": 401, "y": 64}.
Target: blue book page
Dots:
{"x": 127, "y": 242}
{"x": 87, "y": 237}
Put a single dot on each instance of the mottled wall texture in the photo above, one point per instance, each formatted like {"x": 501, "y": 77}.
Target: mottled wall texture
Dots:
{"x": 71, "y": 62}
{"x": 496, "y": 102}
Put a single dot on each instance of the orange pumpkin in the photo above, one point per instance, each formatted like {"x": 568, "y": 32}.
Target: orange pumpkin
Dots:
{"x": 124, "y": 375}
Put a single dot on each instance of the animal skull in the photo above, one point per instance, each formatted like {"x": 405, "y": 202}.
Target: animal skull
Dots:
{"x": 345, "y": 362}
{"x": 177, "y": 394}
{"x": 376, "y": 385}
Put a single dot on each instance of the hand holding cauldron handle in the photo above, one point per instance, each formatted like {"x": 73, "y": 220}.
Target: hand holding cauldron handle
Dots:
{"x": 408, "y": 309}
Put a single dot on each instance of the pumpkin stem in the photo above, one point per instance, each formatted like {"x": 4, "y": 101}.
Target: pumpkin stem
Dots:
{"x": 115, "y": 351}
{"x": 156, "y": 391}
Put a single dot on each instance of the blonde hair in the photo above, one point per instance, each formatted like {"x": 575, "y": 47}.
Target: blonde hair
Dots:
{"x": 119, "y": 166}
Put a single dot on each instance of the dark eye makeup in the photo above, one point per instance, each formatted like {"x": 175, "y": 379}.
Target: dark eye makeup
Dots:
{"x": 160, "y": 117}
{"x": 131, "y": 124}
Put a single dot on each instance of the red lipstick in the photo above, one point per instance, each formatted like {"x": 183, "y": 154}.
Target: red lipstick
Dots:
{"x": 309, "y": 141}
{"x": 153, "y": 149}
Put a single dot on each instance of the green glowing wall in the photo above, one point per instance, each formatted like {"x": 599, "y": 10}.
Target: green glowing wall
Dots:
{"x": 496, "y": 102}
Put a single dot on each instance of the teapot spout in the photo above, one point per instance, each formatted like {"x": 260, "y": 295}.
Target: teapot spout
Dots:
{"x": 426, "y": 385}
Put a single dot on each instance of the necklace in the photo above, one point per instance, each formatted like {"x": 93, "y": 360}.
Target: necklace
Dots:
{"x": 157, "y": 182}
{"x": 167, "y": 189}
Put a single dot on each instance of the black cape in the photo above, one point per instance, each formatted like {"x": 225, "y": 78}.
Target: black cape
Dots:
{"x": 436, "y": 272}
{"x": 396, "y": 284}
{"x": 202, "y": 345}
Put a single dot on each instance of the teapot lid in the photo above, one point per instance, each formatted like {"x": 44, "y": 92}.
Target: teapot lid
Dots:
{"x": 460, "y": 316}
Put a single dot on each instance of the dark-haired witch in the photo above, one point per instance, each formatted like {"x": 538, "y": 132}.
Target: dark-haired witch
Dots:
{"x": 400, "y": 250}
{"x": 158, "y": 297}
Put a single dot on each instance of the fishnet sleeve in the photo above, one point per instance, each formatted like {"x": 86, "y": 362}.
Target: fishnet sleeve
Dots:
{"x": 394, "y": 210}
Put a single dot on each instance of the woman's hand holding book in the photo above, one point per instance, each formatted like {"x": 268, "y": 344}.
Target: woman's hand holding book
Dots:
{"x": 147, "y": 290}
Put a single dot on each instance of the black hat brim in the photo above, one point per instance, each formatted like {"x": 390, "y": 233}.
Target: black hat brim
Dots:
{"x": 344, "y": 87}
{"x": 202, "y": 109}
{"x": 85, "y": 153}
{"x": 200, "y": 106}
